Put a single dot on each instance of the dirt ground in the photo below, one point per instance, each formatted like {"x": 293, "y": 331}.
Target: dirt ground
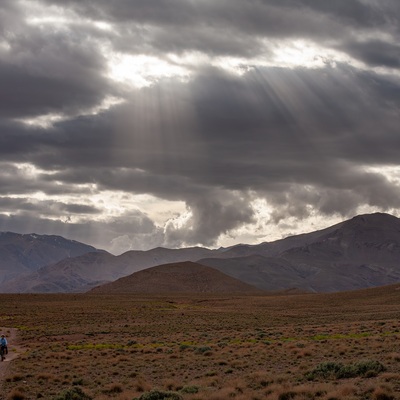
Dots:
{"x": 322, "y": 347}
{"x": 14, "y": 350}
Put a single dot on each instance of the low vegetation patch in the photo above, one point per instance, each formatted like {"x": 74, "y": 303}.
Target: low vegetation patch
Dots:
{"x": 98, "y": 346}
{"x": 125, "y": 347}
{"x": 190, "y": 389}
{"x": 160, "y": 395}
{"x": 334, "y": 370}
{"x": 73, "y": 394}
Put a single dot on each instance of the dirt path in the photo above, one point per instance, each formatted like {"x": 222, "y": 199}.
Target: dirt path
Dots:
{"x": 14, "y": 350}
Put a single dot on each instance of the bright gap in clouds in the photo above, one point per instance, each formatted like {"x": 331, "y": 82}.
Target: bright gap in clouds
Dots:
{"x": 142, "y": 70}
{"x": 48, "y": 120}
{"x": 58, "y": 17}
{"x": 390, "y": 172}
{"x": 116, "y": 204}
{"x": 300, "y": 53}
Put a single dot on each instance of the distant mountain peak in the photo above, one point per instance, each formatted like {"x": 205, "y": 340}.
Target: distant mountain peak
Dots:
{"x": 377, "y": 217}
{"x": 382, "y": 224}
{"x": 25, "y": 253}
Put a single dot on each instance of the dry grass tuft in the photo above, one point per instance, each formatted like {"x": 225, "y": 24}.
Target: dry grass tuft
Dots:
{"x": 113, "y": 388}
{"x": 383, "y": 392}
{"x": 16, "y": 394}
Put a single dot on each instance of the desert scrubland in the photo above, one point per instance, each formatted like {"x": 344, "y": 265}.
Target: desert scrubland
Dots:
{"x": 310, "y": 346}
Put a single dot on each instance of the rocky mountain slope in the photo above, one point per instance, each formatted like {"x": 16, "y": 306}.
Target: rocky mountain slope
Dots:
{"x": 20, "y": 254}
{"x": 184, "y": 277}
{"x": 359, "y": 253}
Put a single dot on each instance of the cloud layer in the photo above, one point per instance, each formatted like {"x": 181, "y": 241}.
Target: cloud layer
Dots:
{"x": 133, "y": 125}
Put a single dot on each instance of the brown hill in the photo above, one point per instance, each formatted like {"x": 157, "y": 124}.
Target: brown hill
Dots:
{"x": 183, "y": 277}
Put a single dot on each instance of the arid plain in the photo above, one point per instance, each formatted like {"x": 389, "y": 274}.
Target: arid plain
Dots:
{"x": 299, "y": 346}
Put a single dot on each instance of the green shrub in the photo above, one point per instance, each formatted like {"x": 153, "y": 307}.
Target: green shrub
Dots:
{"x": 366, "y": 369}
{"x": 202, "y": 350}
{"x": 73, "y": 394}
{"x": 325, "y": 370}
{"x": 160, "y": 395}
{"x": 189, "y": 389}
{"x": 332, "y": 370}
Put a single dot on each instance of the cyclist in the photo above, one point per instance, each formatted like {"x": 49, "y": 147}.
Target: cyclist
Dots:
{"x": 3, "y": 346}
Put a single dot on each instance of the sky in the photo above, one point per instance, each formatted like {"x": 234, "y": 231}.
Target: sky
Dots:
{"x": 130, "y": 125}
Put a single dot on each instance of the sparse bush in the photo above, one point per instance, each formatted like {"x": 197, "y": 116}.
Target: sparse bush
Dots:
{"x": 287, "y": 395}
{"x": 113, "y": 388}
{"x": 160, "y": 395}
{"x": 202, "y": 350}
{"x": 332, "y": 370}
{"x": 14, "y": 378}
{"x": 325, "y": 370}
{"x": 368, "y": 368}
{"x": 189, "y": 389}
{"x": 73, "y": 394}
{"x": 141, "y": 385}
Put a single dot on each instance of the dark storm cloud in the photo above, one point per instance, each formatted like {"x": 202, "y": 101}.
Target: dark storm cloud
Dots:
{"x": 355, "y": 13}
{"x": 26, "y": 93}
{"x": 10, "y": 15}
{"x": 15, "y": 179}
{"x": 376, "y": 52}
{"x": 49, "y": 71}
{"x": 301, "y": 138}
{"x": 293, "y": 113}
{"x": 49, "y": 208}
{"x": 253, "y": 16}
{"x": 251, "y": 133}
{"x": 236, "y": 27}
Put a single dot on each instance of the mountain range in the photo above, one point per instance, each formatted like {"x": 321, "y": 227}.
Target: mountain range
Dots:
{"x": 357, "y": 253}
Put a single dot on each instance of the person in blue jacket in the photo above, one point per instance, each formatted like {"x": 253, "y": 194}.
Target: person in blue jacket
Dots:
{"x": 3, "y": 345}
